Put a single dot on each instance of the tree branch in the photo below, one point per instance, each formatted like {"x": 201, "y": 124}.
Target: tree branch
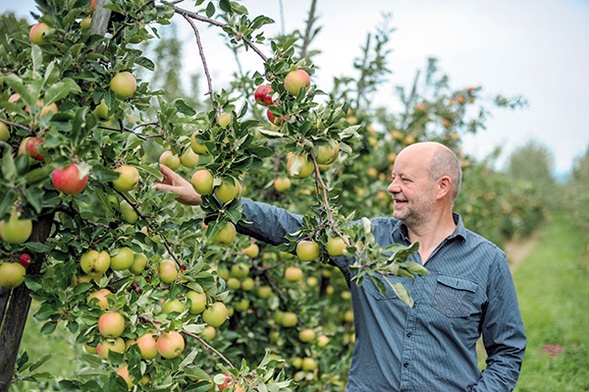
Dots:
{"x": 310, "y": 22}
{"x": 202, "y": 56}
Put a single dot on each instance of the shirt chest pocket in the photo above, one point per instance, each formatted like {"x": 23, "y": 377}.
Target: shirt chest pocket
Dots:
{"x": 454, "y": 296}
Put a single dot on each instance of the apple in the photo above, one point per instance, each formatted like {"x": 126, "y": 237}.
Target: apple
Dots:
{"x": 46, "y": 109}
{"x": 293, "y": 274}
{"x": 11, "y": 275}
{"x": 273, "y": 119}
{"x": 90, "y": 349}
{"x": 288, "y": 319}
{"x": 322, "y": 340}
{"x": 264, "y": 292}
{"x": 171, "y": 160}
{"x": 123, "y": 371}
{"x": 128, "y": 178}
{"x": 203, "y": 181}
{"x": 227, "y": 191}
{"x": 189, "y": 158}
{"x": 86, "y": 22}
{"x": 306, "y": 335}
{"x": 263, "y": 95}
{"x": 327, "y": 153}
{"x": 122, "y": 260}
{"x": 227, "y": 382}
{"x": 298, "y": 166}
{"x": 168, "y": 271}
{"x": 4, "y": 132}
{"x": 70, "y": 180}
{"x": 170, "y": 344}
{"x": 139, "y": 263}
{"x": 37, "y": 33}
{"x": 242, "y": 305}
{"x": 309, "y": 364}
{"x": 233, "y": 283}
{"x": 25, "y": 260}
{"x": 128, "y": 213}
{"x": 252, "y": 250}
{"x": 307, "y": 250}
{"x": 312, "y": 281}
{"x": 224, "y": 119}
{"x": 281, "y": 184}
{"x": 336, "y": 246}
{"x": 92, "y": 5}
{"x": 248, "y": 284}
{"x": 348, "y": 316}
{"x": 95, "y": 263}
{"x": 215, "y": 315}
{"x": 30, "y": 146}
{"x": 16, "y": 230}
{"x": 296, "y": 80}
{"x": 111, "y": 325}
{"x": 101, "y": 110}
{"x": 196, "y": 146}
{"x": 117, "y": 345}
{"x": 147, "y": 346}
{"x": 198, "y": 302}
{"x": 101, "y": 298}
{"x": 209, "y": 333}
{"x": 123, "y": 84}
{"x": 240, "y": 270}
{"x": 173, "y": 305}
{"x": 225, "y": 235}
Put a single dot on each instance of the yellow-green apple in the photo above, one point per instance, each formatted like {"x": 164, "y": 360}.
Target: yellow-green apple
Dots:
{"x": 336, "y": 246}
{"x": 16, "y": 230}
{"x": 263, "y": 95}
{"x": 282, "y": 184}
{"x": 173, "y": 305}
{"x": 122, "y": 260}
{"x": 299, "y": 166}
{"x": 248, "y": 284}
{"x": 306, "y": 335}
{"x": 168, "y": 271}
{"x": 86, "y": 22}
{"x": 4, "y": 132}
{"x": 189, "y": 158}
{"x": 322, "y": 340}
{"x": 294, "y": 81}
{"x": 209, "y": 333}
{"x": 101, "y": 298}
{"x": 327, "y": 153}
{"x": 123, "y": 84}
{"x": 116, "y": 345}
{"x": 312, "y": 281}
{"x": 147, "y": 346}
{"x": 111, "y": 325}
{"x": 169, "y": 159}
{"x": 293, "y": 274}
{"x": 307, "y": 250}
{"x": 233, "y": 283}
{"x": 30, "y": 146}
{"x": 128, "y": 212}
{"x": 101, "y": 110}
{"x": 309, "y": 364}
{"x": 139, "y": 263}
{"x": 225, "y": 235}
{"x": 203, "y": 181}
{"x": 288, "y": 319}
{"x": 123, "y": 371}
{"x": 95, "y": 263}
{"x": 197, "y": 147}
{"x": 170, "y": 344}
{"x": 264, "y": 292}
{"x": 128, "y": 178}
{"x": 242, "y": 305}
{"x": 198, "y": 302}
{"x": 348, "y": 316}
{"x": 224, "y": 119}
{"x": 215, "y": 315}
{"x": 70, "y": 180}
{"x": 252, "y": 250}
{"x": 227, "y": 190}
{"x": 240, "y": 270}
{"x": 37, "y": 33}
{"x": 11, "y": 275}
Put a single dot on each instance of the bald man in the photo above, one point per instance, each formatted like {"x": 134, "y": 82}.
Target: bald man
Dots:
{"x": 468, "y": 293}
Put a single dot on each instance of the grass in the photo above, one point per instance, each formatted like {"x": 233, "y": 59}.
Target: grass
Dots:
{"x": 553, "y": 289}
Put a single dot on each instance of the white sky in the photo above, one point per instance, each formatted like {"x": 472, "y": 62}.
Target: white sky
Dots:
{"x": 536, "y": 48}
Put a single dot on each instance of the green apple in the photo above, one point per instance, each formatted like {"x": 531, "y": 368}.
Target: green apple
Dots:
{"x": 169, "y": 159}
{"x": 299, "y": 166}
{"x": 322, "y": 340}
{"x": 209, "y": 333}
{"x": 242, "y": 305}
{"x": 233, "y": 283}
{"x": 203, "y": 181}
{"x": 215, "y": 315}
{"x": 336, "y": 246}
{"x": 197, "y": 147}
{"x": 224, "y": 119}
{"x": 198, "y": 302}
{"x": 128, "y": 212}
{"x": 122, "y": 260}
{"x": 327, "y": 153}
{"x": 11, "y": 275}
{"x": 264, "y": 292}
{"x": 37, "y": 33}
{"x": 240, "y": 270}
{"x": 225, "y": 235}
{"x": 282, "y": 184}
{"x": 16, "y": 230}
{"x": 189, "y": 158}
{"x": 248, "y": 284}
{"x": 307, "y": 335}
{"x": 168, "y": 271}
{"x": 101, "y": 298}
{"x": 128, "y": 178}
{"x": 288, "y": 319}
{"x": 116, "y": 345}
{"x": 101, "y": 110}
{"x": 4, "y": 132}
{"x": 307, "y": 250}
{"x": 252, "y": 250}
{"x": 147, "y": 346}
{"x": 170, "y": 344}
{"x": 294, "y": 81}
{"x": 139, "y": 263}
{"x": 86, "y": 23}
{"x": 111, "y": 325}
{"x": 309, "y": 364}
{"x": 173, "y": 305}
{"x": 293, "y": 274}
{"x": 227, "y": 190}
{"x": 95, "y": 263}
{"x": 123, "y": 84}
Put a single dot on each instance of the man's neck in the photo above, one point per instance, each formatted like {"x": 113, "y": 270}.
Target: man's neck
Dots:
{"x": 431, "y": 234}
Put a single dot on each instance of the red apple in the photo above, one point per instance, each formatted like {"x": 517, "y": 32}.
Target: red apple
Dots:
{"x": 25, "y": 260}
{"x": 170, "y": 344}
{"x": 111, "y": 325}
{"x": 70, "y": 180}
{"x": 29, "y": 146}
{"x": 263, "y": 95}
{"x": 36, "y": 35}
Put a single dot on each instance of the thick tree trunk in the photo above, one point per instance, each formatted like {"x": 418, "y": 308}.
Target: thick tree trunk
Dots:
{"x": 14, "y": 308}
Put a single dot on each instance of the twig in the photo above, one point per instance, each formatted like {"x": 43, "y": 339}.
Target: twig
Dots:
{"x": 202, "y": 55}
{"x": 209, "y": 347}
{"x": 310, "y": 22}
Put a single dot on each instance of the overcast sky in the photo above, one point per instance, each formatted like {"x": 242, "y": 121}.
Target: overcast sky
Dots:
{"x": 536, "y": 48}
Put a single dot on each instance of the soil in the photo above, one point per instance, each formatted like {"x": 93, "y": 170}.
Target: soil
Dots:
{"x": 518, "y": 249}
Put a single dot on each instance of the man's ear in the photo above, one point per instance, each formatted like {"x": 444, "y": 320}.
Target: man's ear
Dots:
{"x": 444, "y": 186}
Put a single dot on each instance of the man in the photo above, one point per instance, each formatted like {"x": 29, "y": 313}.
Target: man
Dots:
{"x": 469, "y": 291}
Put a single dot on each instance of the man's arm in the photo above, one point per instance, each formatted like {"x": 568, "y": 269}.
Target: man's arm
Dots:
{"x": 503, "y": 333}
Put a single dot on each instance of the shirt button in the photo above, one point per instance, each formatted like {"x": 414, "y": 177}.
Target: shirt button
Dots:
{"x": 408, "y": 334}
{"x": 406, "y": 365}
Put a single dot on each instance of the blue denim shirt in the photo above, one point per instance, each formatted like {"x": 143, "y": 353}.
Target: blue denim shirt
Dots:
{"x": 432, "y": 346}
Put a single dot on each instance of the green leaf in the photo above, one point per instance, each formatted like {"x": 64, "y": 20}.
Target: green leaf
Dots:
{"x": 184, "y": 108}
{"x": 38, "y": 363}
{"x": 145, "y": 63}
{"x": 225, "y": 5}
{"x": 8, "y": 166}
{"x": 210, "y": 10}
{"x": 37, "y": 57}
{"x": 48, "y": 328}
{"x": 401, "y": 292}
{"x": 60, "y": 90}
{"x": 51, "y": 74}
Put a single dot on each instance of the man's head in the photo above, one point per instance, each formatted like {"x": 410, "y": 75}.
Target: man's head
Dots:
{"x": 426, "y": 177}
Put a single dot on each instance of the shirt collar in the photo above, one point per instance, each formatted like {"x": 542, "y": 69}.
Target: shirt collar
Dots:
{"x": 401, "y": 234}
